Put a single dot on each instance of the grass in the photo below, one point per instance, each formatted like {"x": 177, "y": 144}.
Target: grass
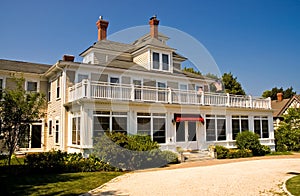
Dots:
{"x": 293, "y": 185}
{"x": 279, "y": 153}
{"x": 54, "y": 184}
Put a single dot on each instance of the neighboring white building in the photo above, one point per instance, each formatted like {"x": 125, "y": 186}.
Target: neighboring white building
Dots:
{"x": 139, "y": 88}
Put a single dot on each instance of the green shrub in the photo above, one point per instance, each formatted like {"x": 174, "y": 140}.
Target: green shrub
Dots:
{"x": 130, "y": 152}
{"x": 287, "y": 139}
{"x": 250, "y": 141}
{"x": 221, "y": 152}
{"x": 59, "y": 162}
{"x": 239, "y": 153}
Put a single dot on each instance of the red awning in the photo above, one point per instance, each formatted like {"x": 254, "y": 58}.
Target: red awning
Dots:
{"x": 180, "y": 119}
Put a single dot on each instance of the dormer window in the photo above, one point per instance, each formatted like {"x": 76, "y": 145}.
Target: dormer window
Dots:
{"x": 160, "y": 61}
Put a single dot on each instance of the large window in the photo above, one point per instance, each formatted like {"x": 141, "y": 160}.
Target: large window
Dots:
{"x": 81, "y": 77}
{"x": 215, "y": 128}
{"x": 261, "y": 126}
{"x": 239, "y": 124}
{"x": 76, "y": 130}
{"x": 152, "y": 124}
{"x": 160, "y": 61}
{"x": 32, "y": 137}
{"x": 109, "y": 121}
{"x": 32, "y": 86}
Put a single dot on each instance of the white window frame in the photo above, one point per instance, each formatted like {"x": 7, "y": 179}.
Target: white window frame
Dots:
{"x": 58, "y": 87}
{"x": 152, "y": 116}
{"x": 160, "y": 53}
{"x": 239, "y": 118}
{"x": 30, "y": 135}
{"x": 37, "y": 85}
{"x": 261, "y": 118}
{"x": 52, "y": 127}
{"x": 82, "y": 74}
{"x": 216, "y": 118}
{"x": 78, "y": 121}
{"x": 57, "y": 135}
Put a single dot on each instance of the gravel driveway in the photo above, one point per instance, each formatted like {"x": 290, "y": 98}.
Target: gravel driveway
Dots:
{"x": 254, "y": 177}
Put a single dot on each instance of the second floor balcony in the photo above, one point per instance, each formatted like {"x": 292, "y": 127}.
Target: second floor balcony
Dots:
{"x": 129, "y": 92}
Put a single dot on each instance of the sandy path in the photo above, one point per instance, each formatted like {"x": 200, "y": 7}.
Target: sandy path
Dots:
{"x": 255, "y": 177}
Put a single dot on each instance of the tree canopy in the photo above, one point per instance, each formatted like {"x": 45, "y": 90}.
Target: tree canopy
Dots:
{"x": 18, "y": 109}
{"x": 231, "y": 84}
{"x": 287, "y": 93}
{"x": 287, "y": 136}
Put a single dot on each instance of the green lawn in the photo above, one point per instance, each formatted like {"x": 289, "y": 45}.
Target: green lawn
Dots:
{"x": 54, "y": 184}
{"x": 293, "y": 185}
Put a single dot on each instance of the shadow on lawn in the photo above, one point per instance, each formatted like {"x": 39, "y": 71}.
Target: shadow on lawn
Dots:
{"x": 293, "y": 173}
{"x": 27, "y": 184}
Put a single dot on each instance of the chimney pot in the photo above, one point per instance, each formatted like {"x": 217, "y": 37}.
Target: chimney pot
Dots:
{"x": 154, "y": 27}
{"x": 67, "y": 57}
{"x": 279, "y": 96}
{"x": 102, "y": 28}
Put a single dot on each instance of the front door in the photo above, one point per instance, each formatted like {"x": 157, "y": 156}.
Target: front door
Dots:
{"x": 186, "y": 134}
{"x": 36, "y": 136}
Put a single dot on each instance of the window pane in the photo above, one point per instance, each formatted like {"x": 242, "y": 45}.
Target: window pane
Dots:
{"x": 165, "y": 59}
{"x": 210, "y": 130}
{"x": 36, "y": 136}
{"x": 32, "y": 86}
{"x": 155, "y": 60}
{"x": 82, "y": 77}
{"x": 119, "y": 124}
{"x": 73, "y": 130}
{"x": 245, "y": 125}
{"x": 180, "y": 132}
{"x": 114, "y": 80}
{"x": 50, "y": 127}
{"x": 257, "y": 127}
{"x": 78, "y": 130}
{"x": 192, "y": 131}
{"x": 265, "y": 129}
{"x": 56, "y": 131}
{"x": 143, "y": 126}
{"x": 235, "y": 128}
{"x": 159, "y": 130}
{"x": 221, "y": 129}
{"x": 101, "y": 124}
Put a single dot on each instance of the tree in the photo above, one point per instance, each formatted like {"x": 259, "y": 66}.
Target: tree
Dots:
{"x": 18, "y": 109}
{"x": 287, "y": 135}
{"x": 231, "y": 84}
{"x": 287, "y": 93}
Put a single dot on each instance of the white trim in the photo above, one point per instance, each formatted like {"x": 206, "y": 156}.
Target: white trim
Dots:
{"x": 35, "y": 81}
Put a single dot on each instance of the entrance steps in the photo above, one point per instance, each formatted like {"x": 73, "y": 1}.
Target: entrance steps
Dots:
{"x": 196, "y": 155}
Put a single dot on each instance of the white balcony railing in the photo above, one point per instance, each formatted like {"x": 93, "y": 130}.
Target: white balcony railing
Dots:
{"x": 103, "y": 90}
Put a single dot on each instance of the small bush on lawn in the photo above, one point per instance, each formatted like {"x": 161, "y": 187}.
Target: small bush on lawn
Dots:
{"x": 59, "y": 162}
{"x": 250, "y": 141}
{"x": 221, "y": 152}
{"x": 225, "y": 153}
{"x": 239, "y": 153}
{"x": 131, "y": 152}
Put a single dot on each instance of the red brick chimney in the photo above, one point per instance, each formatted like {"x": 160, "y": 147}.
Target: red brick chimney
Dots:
{"x": 102, "y": 28}
{"x": 67, "y": 57}
{"x": 154, "y": 26}
{"x": 279, "y": 96}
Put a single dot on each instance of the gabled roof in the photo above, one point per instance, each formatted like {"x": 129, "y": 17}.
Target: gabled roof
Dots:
{"x": 280, "y": 107}
{"x": 26, "y": 67}
{"x": 153, "y": 42}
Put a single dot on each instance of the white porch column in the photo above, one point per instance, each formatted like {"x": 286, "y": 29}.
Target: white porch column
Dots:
{"x": 228, "y": 128}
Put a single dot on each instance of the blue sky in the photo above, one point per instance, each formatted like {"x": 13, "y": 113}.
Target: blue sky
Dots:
{"x": 257, "y": 40}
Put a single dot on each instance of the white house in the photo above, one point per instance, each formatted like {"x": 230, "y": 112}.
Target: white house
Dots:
{"x": 139, "y": 88}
